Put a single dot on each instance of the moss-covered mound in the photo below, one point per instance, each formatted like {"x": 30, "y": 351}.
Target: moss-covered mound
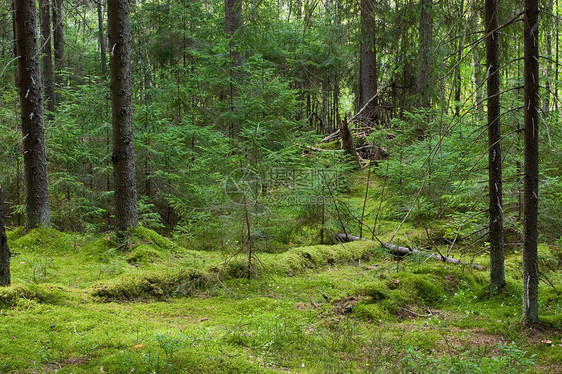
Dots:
{"x": 298, "y": 260}
{"x": 25, "y": 296}
{"x": 42, "y": 240}
{"x": 151, "y": 285}
{"x": 412, "y": 293}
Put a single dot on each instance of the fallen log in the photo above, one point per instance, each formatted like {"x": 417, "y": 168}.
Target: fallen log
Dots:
{"x": 403, "y": 251}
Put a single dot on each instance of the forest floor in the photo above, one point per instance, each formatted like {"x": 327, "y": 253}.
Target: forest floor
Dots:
{"x": 85, "y": 304}
{"x": 81, "y": 304}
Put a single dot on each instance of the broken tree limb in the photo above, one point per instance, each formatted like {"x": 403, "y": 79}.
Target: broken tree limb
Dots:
{"x": 347, "y": 142}
{"x": 403, "y": 251}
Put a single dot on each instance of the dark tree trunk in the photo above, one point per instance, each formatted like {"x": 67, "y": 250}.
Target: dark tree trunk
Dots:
{"x": 47, "y": 56}
{"x": 58, "y": 42}
{"x": 233, "y": 22}
{"x": 4, "y": 249}
{"x": 34, "y": 156}
{"x": 548, "y": 27}
{"x": 298, "y": 9}
{"x": 556, "y": 60}
{"x": 476, "y": 68}
{"x": 458, "y": 80}
{"x": 368, "y": 58}
{"x": 425, "y": 58}
{"x": 531, "y": 185}
{"x": 123, "y": 157}
{"x": 101, "y": 41}
{"x": 497, "y": 272}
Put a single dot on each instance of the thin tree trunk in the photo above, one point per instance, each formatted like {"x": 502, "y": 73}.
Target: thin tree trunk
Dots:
{"x": 33, "y": 131}
{"x": 233, "y": 22}
{"x": 101, "y": 41}
{"x": 458, "y": 80}
{"x": 557, "y": 70}
{"x": 58, "y": 43}
{"x": 368, "y": 57}
{"x": 548, "y": 60}
{"x": 123, "y": 157}
{"x": 425, "y": 58}
{"x": 530, "y": 218}
{"x": 46, "y": 56}
{"x": 497, "y": 271}
{"x": 4, "y": 249}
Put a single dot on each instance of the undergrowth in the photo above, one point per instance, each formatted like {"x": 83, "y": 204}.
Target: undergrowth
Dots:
{"x": 82, "y": 304}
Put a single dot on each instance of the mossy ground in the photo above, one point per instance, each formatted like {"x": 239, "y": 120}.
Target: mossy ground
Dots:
{"x": 84, "y": 304}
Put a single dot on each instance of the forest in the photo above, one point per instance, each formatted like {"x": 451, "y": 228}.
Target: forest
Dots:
{"x": 289, "y": 186}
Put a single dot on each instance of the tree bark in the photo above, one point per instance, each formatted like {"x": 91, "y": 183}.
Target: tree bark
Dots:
{"x": 47, "y": 56}
{"x": 425, "y": 58}
{"x": 233, "y": 23}
{"x": 33, "y": 131}
{"x": 548, "y": 57}
{"x": 497, "y": 271}
{"x": 101, "y": 41}
{"x": 531, "y": 178}
{"x": 458, "y": 78}
{"x": 58, "y": 43}
{"x": 368, "y": 57}
{"x": 123, "y": 158}
{"x": 4, "y": 249}
{"x": 476, "y": 68}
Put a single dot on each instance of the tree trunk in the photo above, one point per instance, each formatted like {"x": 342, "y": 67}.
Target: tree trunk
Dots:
{"x": 233, "y": 22}
{"x": 4, "y": 249}
{"x": 476, "y": 68}
{"x": 101, "y": 41}
{"x": 58, "y": 43}
{"x": 548, "y": 27}
{"x": 497, "y": 272}
{"x": 458, "y": 78}
{"x": 46, "y": 56}
{"x": 33, "y": 131}
{"x": 425, "y": 58}
{"x": 368, "y": 58}
{"x": 298, "y": 10}
{"x": 556, "y": 60}
{"x": 123, "y": 157}
{"x": 531, "y": 185}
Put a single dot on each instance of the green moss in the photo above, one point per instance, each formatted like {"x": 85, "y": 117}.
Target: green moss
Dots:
{"x": 45, "y": 240}
{"x": 142, "y": 253}
{"x": 151, "y": 237}
{"x": 151, "y": 284}
{"x": 15, "y": 234}
{"x": 16, "y": 296}
{"x": 548, "y": 261}
{"x": 371, "y": 312}
{"x": 23, "y": 296}
{"x": 376, "y": 291}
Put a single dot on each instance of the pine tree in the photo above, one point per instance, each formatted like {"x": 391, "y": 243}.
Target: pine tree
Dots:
{"x": 35, "y": 159}
{"x": 531, "y": 184}
{"x": 123, "y": 157}
{"x": 497, "y": 272}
